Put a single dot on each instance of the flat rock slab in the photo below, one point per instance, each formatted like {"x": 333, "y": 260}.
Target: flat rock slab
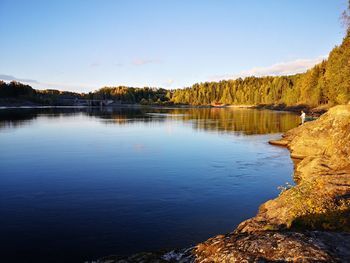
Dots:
{"x": 306, "y": 247}
{"x": 279, "y": 142}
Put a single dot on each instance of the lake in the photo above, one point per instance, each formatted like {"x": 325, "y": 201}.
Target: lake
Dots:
{"x": 77, "y": 183}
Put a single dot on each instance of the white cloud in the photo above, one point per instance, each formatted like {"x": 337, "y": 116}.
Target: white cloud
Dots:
{"x": 168, "y": 83}
{"x": 278, "y": 69}
{"x": 12, "y": 78}
{"x": 140, "y": 62}
{"x": 94, "y": 64}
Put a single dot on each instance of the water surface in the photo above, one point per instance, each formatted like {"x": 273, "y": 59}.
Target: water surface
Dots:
{"x": 77, "y": 184}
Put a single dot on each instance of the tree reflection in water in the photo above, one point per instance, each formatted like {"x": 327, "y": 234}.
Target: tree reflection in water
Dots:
{"x": 238, "y": 120}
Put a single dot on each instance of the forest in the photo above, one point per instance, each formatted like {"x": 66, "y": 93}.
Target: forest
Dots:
{"x": 17, "y": 92}
{"x": 131, "y": 95}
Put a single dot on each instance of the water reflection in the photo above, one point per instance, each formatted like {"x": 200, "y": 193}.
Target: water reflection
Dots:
{"x": 245, "y": 121}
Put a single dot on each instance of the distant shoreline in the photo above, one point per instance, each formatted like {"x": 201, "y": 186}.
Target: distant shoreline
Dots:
{"x": 312, "y": 111}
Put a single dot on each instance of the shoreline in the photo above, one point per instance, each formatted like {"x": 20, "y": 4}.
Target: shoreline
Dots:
{"x": 309, "y": 222}
{"x": 313, "y": 111}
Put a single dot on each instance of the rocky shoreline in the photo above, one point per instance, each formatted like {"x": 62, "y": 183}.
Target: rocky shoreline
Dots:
{"x": 309, "y": 222}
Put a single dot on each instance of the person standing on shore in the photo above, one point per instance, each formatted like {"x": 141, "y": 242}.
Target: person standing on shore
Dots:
{"x": 302, "y": 116}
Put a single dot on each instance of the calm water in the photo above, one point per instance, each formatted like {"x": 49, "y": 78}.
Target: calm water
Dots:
{"x": 77, "y": 184}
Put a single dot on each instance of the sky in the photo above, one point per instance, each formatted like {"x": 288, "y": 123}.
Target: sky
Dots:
{"x": 83, "y": 45}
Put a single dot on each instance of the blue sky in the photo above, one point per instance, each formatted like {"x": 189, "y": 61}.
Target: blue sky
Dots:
{"x": 82, "y": 45}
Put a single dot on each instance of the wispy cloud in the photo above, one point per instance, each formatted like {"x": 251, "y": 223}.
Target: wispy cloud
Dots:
{"x": 278, "y": 69}
{"x": 94, "y": 64}
{"x": 168, "y": 83}
{"x": 48, "y": 85}
{"x": 140, "y": 62}
{"x": 12, "y": 78}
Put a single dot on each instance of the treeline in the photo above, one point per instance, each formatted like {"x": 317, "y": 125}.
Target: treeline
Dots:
{"x": 16, "y": 91}
{"x": 57, "y": 97}
{"x": 326, "y": 83}
{"x": 21, "y": 92}
{"x": 131, "y": 95}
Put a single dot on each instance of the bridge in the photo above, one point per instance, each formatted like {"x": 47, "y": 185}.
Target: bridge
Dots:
{"x": 94, "y": 102}
{"x": 87, "y": 102}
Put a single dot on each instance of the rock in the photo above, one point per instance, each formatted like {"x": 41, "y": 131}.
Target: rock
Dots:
{"x": 279, "y": 142}
{"x": 270, "y": 246}
{"x": 321, "y": 198}
{"x": 181, "y": 256}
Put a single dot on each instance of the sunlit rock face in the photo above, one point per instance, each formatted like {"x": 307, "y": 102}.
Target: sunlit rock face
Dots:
{"x": 300, "y": 224}
{"x": 329, "y": 136}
